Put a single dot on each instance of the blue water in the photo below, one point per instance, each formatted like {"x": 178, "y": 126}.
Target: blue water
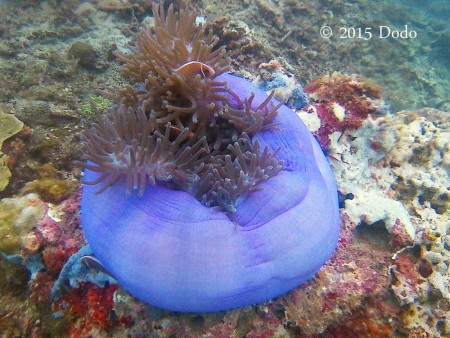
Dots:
{"x": 415, "y": 71}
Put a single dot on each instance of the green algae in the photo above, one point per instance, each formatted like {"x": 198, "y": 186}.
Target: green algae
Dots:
{"x": 9, "y": 126}
{"x": 92, "y": 104}
{"x": 5, "y": 174}
{"x": 49, "y": 187}
{"x": 52, "y": 190}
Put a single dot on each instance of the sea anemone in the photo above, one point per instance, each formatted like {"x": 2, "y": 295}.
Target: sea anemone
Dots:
{"x": 235, "y": 202}
{"x": 179, "y": 64}
{"x": 182, "y": 128}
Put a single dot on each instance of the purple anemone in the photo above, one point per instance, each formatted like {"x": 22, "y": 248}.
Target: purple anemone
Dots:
{"x": 170, "y": 250}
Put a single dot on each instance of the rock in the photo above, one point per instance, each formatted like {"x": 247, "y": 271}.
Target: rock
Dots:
{"x": 85, "y": 53}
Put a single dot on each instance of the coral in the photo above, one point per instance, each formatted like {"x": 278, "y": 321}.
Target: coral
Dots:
{"x": 419, "y": 161}
{"x": 342, "y": 102}
{"x": 383, "y": 162}
{"x": 32, "y": 230}
{"x": 17, "y": 217}
{"x": 51, "y": 190}
{"x": 59, "y": 235}
{"x": 38, "y": 238}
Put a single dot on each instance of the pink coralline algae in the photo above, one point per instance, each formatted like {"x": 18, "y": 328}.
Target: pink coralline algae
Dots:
{"x": 341, "y": 102}
{"x": 48, "y": 246}
{"x": 56, "y": 237}
{"x": 90, "y": 306}
{"x": 349, "y": 286}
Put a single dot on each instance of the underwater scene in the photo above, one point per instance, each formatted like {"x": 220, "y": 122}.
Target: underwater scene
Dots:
{"x": 204, "y": 168}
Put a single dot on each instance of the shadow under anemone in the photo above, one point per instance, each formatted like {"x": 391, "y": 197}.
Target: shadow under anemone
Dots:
{"x": 168, "y": 249}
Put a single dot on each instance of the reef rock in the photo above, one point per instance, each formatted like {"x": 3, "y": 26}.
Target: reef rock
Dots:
{"x": 394, "y": 172}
